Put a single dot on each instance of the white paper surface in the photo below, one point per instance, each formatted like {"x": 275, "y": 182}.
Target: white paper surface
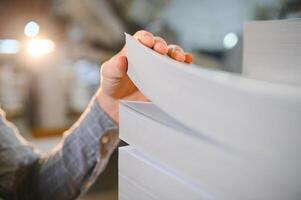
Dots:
{"x": 244, "y": 113}
{"x": 272, "y": 50}
{"x": 218, "y": 169}
{"x": 129, "y": 190}
{"x": 155, "y": 179}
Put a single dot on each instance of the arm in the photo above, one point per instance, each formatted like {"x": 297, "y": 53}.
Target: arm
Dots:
{"x": 68, "y": 170}
{"x": 15, "y": 153}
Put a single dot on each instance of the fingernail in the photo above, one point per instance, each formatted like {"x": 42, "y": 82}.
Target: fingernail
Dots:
{"x": 161, "y": 48}
{"x": 188, "y": 58}
{"x": 147, "y": 38}
{"x": 179, "y": 56}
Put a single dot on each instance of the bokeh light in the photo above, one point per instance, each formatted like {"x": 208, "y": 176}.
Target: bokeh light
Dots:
{"x": 32, "y": 29}
{"x": 230, "y": 40}
{"x": 9, "y": 46}
{"x": 40, "y": 47}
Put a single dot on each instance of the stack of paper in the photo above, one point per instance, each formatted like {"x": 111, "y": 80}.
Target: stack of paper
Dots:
{"x": 150, "y": 180}
{"x": 272, "y": 51}
{"x": 207, "y": 134}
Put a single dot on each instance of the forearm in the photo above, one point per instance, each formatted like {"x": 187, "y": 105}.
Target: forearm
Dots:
{"x": 67, "y": 171}
{"x": 109, "y": 104}
{"x": 16, "y": 154}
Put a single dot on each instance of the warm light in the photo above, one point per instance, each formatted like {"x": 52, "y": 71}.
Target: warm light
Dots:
{"x": 230, "y": 40}
{"x": 31, "y": 29}
{"x": 9, "y": 46}
{"x": 40, "y": 47}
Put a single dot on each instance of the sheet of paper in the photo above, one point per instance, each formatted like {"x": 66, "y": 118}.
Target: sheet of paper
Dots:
{"x": 155, "y": 179}
{"x": 247, "y": 114}
{"x": 272, "y": 51}
{"x": 209, "y": 165}
{"x": 129, "y": 190}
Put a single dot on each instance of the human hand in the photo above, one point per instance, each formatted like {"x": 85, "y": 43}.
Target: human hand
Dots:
{"x": 116, "y": 84}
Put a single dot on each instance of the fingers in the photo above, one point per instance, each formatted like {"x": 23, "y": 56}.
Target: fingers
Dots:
{"x": 176, "y": 52}
{"x": 148, "y": 39}
{"x": 160, "y": 46}
{"x": 145, "y": 38}
{"x": 188, "y": 58}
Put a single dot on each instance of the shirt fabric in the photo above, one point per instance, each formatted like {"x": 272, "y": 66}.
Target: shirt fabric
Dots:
{"x": 68, "y": 170}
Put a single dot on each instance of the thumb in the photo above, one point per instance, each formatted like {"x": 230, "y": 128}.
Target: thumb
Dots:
{"x": 116, "y": 67}
{"x": 121, "y": 64}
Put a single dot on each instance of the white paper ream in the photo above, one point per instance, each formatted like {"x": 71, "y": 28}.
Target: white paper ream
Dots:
{"x": 272, "y": 50}
{"x": 149, "y": 176}
{"x": 254, "y": 116}
{"x": 129, "y": 190}
{"x": 221, "y": 171}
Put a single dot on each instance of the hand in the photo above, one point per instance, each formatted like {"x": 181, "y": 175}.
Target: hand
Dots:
{"x": 116, "y": 84}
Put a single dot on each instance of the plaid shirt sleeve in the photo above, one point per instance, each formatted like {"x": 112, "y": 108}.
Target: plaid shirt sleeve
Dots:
{"x": 64, "y": 173}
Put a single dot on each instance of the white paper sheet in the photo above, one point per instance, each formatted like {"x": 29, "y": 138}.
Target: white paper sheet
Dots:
{"x": 272, "y": 50}
{"x": 244, "y": 113}
{"x": 220, "y": 170}
{"x": 155, "y": 179}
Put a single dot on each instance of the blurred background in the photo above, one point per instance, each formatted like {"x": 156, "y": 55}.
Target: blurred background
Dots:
{"x": 51, "y": 52}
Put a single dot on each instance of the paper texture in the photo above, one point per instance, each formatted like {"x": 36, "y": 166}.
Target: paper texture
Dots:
{"x": 272, "y": 51}
{"x": 243, "y": 113}
{"x": 129, "y": 190}
{"x": 212, "y": 134}
{"x": 199, "y": 159}
{"x": 148, "y": 176}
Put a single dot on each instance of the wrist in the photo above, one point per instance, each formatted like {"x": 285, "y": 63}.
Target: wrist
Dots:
{"x": 108, "y": 104}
